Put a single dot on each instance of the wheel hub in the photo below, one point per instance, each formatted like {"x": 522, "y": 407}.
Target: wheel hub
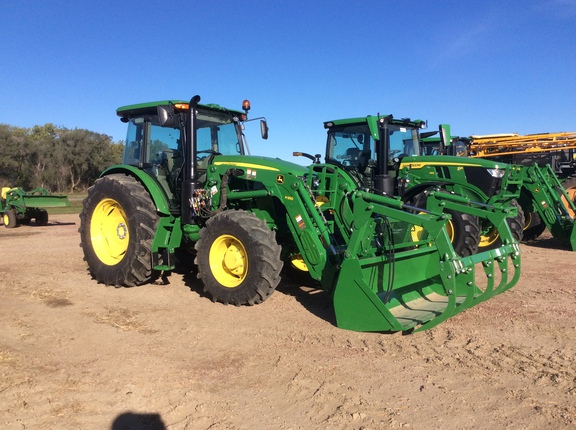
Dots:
{"x": 228, "y": 261}
{"x": 121, "y": 231}
{"x": 489, "y": 237}
{"x": 233, "y": 260}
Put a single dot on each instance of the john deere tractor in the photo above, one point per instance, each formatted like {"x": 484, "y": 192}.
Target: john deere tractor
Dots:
{"x": 384, "y": 155}
{"x": 547, "y": 191}
{"x": 187, "y": 185}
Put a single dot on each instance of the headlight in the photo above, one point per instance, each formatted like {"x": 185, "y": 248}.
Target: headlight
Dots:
{"x": 496, "y": 173}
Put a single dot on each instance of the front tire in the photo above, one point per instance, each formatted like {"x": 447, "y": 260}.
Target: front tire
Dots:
{"x": 117, "y": 226}
{"x": 533, "y": 227}
{"x": 238, "y": 258}
{"x": 463, "y": 229}
{"x": 492, "y": 240}
{"x": 10, "y": 218}
{"x": 464, "y": 232}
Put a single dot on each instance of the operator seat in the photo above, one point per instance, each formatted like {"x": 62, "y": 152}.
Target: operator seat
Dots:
{"x": 353, "y": 156}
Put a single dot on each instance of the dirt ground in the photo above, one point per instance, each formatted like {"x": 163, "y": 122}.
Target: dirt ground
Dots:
{"x": 77, "y": 355}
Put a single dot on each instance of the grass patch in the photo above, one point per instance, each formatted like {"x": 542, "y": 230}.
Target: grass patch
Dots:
{"x": 75, "y": 207}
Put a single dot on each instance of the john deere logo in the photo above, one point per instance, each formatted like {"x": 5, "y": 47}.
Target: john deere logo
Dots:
{"x": 280, "y": 179}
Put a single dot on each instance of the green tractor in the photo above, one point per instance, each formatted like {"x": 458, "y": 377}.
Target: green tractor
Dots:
{"x": 21, "y": 207}
{"x": 542, "y": 159}
{"x": 385, "y": 156}
{"x": 187, "y": 186}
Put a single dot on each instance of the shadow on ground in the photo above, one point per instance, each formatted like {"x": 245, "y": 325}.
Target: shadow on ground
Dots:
{"x": 306, "y": 292}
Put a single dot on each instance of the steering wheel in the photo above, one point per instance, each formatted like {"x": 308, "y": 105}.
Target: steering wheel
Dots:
{"x": 205, "y": 151}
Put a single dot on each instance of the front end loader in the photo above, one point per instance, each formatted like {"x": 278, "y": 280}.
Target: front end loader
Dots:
{"x": 547, "y": 191}
{"x": 188, "y": 188}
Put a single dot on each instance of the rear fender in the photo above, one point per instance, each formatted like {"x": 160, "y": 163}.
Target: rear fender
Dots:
{"x": 155, "y": 190}
{"x": 168, "y": 236}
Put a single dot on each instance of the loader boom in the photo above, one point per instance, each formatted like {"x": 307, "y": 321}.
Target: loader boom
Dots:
{"x": 547, "y": 192}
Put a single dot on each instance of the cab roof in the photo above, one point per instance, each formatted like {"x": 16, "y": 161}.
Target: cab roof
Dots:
{"x": 369, "y": 118}
{"x": 150, "y": 108}
{"x": 372, "y": 122}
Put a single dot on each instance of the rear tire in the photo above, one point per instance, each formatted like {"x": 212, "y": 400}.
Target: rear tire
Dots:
{"x": 42, "y": 217}
{"x": 117, "y": 226}
{"x": 238, "y": 258}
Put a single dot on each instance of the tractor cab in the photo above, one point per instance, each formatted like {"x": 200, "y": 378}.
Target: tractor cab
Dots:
{"x": 371, "y": 146}
{"x": 157, "y": 142}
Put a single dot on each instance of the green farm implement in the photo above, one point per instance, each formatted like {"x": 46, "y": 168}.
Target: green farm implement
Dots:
{"x": 20, "y": 207}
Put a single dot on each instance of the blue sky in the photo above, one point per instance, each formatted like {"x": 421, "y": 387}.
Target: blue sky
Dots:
{"x": 484, "y": 67}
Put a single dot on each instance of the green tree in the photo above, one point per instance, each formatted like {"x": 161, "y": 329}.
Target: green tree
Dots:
{"x": 54, "y": 157}
{"x": 86, "y": 154}
{"x": 13, "y": 155}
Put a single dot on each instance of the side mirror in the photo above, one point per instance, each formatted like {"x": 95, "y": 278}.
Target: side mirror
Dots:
{"x": 445, "y": 135}
{"x": 166, "y": 115}
{"x": 264, "y": 129}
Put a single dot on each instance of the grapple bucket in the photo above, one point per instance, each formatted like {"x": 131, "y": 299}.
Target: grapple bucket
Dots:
{"x": 401, "y": 273}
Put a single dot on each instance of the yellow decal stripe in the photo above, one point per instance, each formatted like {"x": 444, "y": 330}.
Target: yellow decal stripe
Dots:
{"x": 247, "y": 165}
{"x": 420, "y": 165}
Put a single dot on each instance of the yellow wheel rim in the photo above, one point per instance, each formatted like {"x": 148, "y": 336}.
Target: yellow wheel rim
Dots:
{"x": 527, "y": 220}
{"x": 451, "y": 231}
{"x": 228, "y": 261}
{"x": 416, "y": 231}
{"x": 489, "y": 238}
{"x": 6, "y": 219}
{"x": 299, "y": 263}
{"x": 109, "y": 232}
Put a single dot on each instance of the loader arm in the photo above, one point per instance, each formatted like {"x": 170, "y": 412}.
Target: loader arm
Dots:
{"x": 555, "y": 207}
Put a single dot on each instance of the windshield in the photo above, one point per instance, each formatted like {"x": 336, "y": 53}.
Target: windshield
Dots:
{"x": 349, "y": 145}
{"x": 353, "y": 145}
{"x": 216, "y": 133}
{"x": 403, "y": 141}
